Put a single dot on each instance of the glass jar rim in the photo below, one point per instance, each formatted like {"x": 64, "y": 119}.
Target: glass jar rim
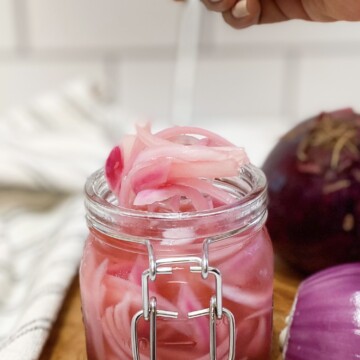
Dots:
{"x": 96, "y": 182}
{"x": 248, "y": 212}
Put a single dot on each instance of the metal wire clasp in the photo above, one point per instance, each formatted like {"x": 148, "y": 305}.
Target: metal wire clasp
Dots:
{"x": 153, "y": 314}
{"x": 150, "y": 312}
{"x": 211, "y": 312}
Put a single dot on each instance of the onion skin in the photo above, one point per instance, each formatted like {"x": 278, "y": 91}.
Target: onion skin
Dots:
{"x": 325, "y": 322}
{"x": 314, "y": 194}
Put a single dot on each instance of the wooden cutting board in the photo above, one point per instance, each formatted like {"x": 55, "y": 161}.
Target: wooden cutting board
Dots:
{"x": 67, "y": 339}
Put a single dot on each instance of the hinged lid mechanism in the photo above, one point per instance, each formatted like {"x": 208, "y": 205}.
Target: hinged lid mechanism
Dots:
{"x": 150, "y": 311}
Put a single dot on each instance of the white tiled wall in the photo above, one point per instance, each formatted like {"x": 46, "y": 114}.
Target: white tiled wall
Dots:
{"x": 7, "y": 28}
{"x": 145, "y": 86}
{"x": 328, "y": 83}
{"x": 109, "y": 24}
{"x": 239, "y": 86}
{"x": 280, "y": 72}
{"x": 296, "y": 33}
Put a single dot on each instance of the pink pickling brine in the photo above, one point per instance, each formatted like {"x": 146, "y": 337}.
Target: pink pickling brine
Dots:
{"x": 178, "y": 263}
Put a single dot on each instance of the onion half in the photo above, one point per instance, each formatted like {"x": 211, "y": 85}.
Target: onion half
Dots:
{"x": 325, "y": 319}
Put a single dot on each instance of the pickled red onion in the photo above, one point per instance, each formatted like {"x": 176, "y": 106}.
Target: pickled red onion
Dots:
{"x": 172, "y": 164}
{"x": 177, "y": 131}
{"x": 114, "y": 168}
{"x": 247, "y": 299}
{"x": 96, "y": 295}
{"x": 155, "y": 195}
{"x": 110, "y": 332}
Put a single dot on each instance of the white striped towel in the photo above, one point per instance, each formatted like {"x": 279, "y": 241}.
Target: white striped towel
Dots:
{"x": 46, "y": 153}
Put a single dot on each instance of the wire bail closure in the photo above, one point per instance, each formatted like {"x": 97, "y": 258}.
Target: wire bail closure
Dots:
{"x": 211, "y": 312}
{"x": 150, "y": 312}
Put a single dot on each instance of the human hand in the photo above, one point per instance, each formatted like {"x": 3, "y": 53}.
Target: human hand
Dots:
{"x": 243, "y": 13}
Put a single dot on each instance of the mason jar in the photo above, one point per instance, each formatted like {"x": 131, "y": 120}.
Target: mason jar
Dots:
{"x": 195, "y": 285}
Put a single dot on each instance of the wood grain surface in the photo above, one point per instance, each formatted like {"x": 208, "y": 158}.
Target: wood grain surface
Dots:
{"x": 67, "y": 339}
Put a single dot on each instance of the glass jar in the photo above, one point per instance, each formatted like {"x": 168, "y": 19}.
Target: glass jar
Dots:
{"x": 194, "y": 285}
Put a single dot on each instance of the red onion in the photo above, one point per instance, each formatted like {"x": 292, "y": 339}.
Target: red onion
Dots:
{"x": 325, "y": 319}
{"x": 314, "y": 192}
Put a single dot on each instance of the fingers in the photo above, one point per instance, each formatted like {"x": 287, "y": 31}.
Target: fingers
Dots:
{"x": 333, "y": 10}
{"x": 244, "y": 13}
{"x": 219, "y": 5}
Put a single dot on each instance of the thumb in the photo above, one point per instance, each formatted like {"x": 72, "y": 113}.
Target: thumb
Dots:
{"x": 243, "y": 14}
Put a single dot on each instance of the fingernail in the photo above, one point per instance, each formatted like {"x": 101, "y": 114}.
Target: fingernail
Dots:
{"x": 240, "y": 9}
